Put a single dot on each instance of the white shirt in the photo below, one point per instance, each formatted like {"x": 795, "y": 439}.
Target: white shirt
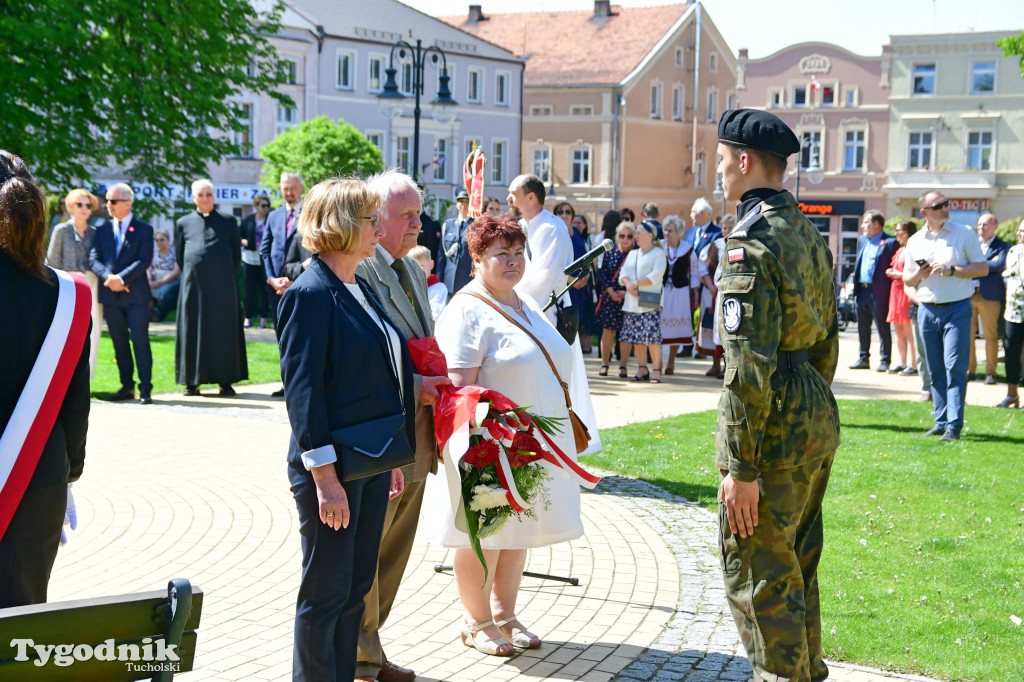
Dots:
{"x": 637, "y": 266}
{"x": 120, "y": 229}
{"x": 954, "y": 244}
{"x": 393, "y": 338}
{"x": 550, "y": 253}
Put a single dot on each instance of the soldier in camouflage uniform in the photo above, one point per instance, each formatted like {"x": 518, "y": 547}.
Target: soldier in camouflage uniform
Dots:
{"x": 778, "y": 423}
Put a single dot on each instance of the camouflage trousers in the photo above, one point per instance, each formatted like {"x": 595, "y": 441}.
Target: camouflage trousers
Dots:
{"x": 771, "y": 577}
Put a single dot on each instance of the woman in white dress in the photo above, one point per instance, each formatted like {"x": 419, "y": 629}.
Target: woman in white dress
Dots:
{"x": 482, "y": 347}
{"x": 676, "y": 314}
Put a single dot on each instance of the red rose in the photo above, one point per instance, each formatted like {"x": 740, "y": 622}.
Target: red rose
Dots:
{"x": 482, "y": 454}
{"x": 524, "y": 449}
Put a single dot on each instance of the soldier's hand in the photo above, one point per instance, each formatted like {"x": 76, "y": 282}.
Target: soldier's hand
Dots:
{"x": 740, "y": 501}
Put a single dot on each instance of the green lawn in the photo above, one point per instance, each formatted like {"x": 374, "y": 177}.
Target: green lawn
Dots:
{"x": 263, "y": 366}
{"x": 924, "y": 541}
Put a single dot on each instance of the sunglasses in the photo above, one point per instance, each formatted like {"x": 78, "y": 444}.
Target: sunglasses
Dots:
{"x": 116, "y": 201}
{"x": 625, "y": 236}
{"x": 372, "y": 218}
{"x": 564, "y": 211}
{"x": 81, "y": 205}
{"x": 264, "y": 205}
{"x": 939, "y": 206}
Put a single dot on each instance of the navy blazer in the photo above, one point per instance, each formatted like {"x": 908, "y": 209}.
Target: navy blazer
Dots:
{"x": 136, "y": 255}
{"x": 991, "y": 286}
{"x": 881, "y": 285}
{"x": 454, "y": 270}
{"x": 335, "y": 366}
{"x": 710, "y": 235}
{"x": 275, "y": 241}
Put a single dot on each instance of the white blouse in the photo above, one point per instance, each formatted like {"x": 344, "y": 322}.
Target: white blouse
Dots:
{"x": 638, "y": 266}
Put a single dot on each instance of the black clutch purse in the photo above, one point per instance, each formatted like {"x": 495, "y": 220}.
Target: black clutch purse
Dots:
{"x": 372, "y": 447}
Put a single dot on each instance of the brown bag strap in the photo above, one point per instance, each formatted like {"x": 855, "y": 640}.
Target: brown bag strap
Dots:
{"x": 565, "y": 387}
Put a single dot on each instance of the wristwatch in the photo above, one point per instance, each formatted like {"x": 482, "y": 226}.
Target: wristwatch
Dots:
{"x": 952, "y": 271}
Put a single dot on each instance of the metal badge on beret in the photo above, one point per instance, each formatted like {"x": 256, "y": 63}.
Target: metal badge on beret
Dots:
{"x": 732, "y": 313}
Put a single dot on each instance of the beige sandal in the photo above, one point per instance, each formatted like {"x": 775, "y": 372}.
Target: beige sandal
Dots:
{"x": 520, "y": 640}
{"x": 491, "y": 647}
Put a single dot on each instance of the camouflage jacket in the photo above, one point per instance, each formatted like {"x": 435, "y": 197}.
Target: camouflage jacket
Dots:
{"x": 776, "y": 294}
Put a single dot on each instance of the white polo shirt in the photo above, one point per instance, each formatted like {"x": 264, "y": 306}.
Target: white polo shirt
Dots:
{"x": 954, "y": 244}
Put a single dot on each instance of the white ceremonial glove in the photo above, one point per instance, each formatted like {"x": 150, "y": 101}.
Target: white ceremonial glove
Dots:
{"x": 70, "y": 517}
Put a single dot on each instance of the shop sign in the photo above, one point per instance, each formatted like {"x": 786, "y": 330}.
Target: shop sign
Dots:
{"x": 827, "y": 208}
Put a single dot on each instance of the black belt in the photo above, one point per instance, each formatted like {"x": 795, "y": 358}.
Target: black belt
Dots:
{"x": 943, "y": 305}
{"x": 862, "y": 285}
{"x": 791, "y": 359}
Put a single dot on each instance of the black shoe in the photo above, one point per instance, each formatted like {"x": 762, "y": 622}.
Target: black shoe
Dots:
{"x": 861, "y": 364}
{"x": 279, "y": 393}
{"x": 883, "y": 367}
{"x": 145, "y": 399}
{"x": 897, "y": 369}
{"x": 226, "y": 390}
{"x": 970, "y": 377}
{"x": 936, "y": 431}
{"x": 950, "y": 436}
{"x": 123, "y": 394}
{"x": 990, "y": 379}
{"x": 191, "y": 391}
{"x": 909, "y": 372}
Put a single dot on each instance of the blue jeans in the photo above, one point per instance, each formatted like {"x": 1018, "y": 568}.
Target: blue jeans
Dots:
{"x": 946, "y": 330}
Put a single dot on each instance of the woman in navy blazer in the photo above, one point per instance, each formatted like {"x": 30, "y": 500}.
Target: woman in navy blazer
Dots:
{"x": 343, "y": 363}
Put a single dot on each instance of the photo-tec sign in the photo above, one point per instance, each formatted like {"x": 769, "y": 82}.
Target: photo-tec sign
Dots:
{"x": 825, "y": 208}
{"x": 973, "y": 205}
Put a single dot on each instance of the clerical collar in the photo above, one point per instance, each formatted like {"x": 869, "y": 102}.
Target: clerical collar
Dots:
{"x": 205, "y": 215}
{"x": 752, "y": 198}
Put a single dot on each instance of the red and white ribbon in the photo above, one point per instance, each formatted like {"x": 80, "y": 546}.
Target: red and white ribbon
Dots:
{"x": 30, "y": 425}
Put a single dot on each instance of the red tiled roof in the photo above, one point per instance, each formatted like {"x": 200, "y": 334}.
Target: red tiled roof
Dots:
{"x": 575, "y": 47}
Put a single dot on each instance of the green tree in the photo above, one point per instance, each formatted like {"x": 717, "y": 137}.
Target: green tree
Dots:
{"x": 145, "y": 86}
{"x": 318, "y": 149}
{"x": 1013, "y": 46}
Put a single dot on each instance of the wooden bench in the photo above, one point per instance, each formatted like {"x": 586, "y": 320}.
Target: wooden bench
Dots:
{"x": 129, "y": 629}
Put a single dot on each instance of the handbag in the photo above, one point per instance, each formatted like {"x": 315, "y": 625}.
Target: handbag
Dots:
{"x": 580, "y": 432}
{"x": 567, "y": 321}
{"x": 372, "y": 447}
{"x": 646, "y": 300}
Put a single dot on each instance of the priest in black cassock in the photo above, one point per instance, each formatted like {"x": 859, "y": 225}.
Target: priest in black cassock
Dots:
{"x": 210, "y": 345}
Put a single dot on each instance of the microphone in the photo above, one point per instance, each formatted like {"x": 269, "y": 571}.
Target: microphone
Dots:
{"x": 589, "y": 257}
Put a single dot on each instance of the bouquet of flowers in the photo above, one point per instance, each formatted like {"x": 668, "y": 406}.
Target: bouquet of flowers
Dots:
{"x": 492, "y": 450}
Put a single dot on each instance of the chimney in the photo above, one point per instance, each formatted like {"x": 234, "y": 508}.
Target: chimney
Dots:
{"x": 476, "y": 14}
{"x": 602, "y": 9}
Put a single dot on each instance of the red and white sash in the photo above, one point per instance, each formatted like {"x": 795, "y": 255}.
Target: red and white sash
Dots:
{"x": 26, "y": 433}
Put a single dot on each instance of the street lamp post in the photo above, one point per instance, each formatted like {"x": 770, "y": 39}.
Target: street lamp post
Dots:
{"x": 390, "y": 100}
{"x": 815, "y": 173}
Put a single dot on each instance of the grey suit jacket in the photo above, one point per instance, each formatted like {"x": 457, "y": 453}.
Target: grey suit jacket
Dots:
{"x": 412, "y": 323}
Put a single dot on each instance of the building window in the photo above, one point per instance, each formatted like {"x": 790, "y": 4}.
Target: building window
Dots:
{"x": 850, "y": 97}
{"x": 541, "y": 110}
{"x": 244, "y": 138}
{"x": 655, "y": 100}
{"x": 983, "y": 77}
{"x": 581, "y": 166}
{"x": 475, "y": 87}
{"x": 979, "y": 150}
{"x": 920, "y": 151}
{"x": 581, "y": 110}
{"x": 499, "y": 149}
{"x": 677, "y": 102}
{"x": 286, "y": 118}
{"x": 712, "y": 62}
{"x": 541, "y": 163}
{"x": 775, "y": 98}
{"x": 440, "y": 159}
{"x": 501, "y": 89}
{"x": 800, "y": 96}
{"x": 471, "y": 142}
{"x": 712, "y": 106}
{"x": 405, "y": 85}
{"x": 290, "y": 71}
{"x": 679, "y": 56}
{"x": 403, "y": 160}
{"x": 346, "y": 70}
{"x": 698, "y": 173}
{"x": 810, "y": 152}
{"x": 376, "y": 139}
{"x": 924, "y": 79}
{"x": 853, "y": 151}
{"x": 828, "y": 95}
{"x": 731, "y": 102}
{"x": 376, "y": 76}
{"x": 250, "y": 69}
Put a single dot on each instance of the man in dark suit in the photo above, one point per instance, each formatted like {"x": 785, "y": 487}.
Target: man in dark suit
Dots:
{"x": 875, "y": 250}
{"x": 278, "y": 235}
{"x": 121, "y": 252}
{"x": 987, "y": 300}
{"x": 430, "y": 234}
{"x": 702, "y": 234}
{"x": 399, "y": 283}
{"x": 453, "y": 261}
{"x": 296, "y": 260}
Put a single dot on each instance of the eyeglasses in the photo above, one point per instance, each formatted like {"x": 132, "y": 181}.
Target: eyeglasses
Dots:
{"x": 564, "y": 211}
{"x": 372, "y": 218}
{"x": 937, "y": 207}
{"x": 116, "y": 201}
{"x": 81, "y": 205}
{"x": 264, "y": 205}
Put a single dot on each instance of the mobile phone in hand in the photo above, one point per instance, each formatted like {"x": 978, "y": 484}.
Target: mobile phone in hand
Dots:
{"x": 921, "y": 262}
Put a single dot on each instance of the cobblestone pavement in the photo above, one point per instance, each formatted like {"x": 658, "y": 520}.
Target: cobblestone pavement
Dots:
{"x": 196, "y": 488}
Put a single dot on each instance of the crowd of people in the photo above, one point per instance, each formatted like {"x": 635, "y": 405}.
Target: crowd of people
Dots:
{"x": 929, "y": 286}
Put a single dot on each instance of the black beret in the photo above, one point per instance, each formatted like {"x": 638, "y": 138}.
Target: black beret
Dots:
{"x": 759, "y": 130}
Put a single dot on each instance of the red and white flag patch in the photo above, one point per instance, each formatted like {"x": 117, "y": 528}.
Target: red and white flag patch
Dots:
{"x": 736, "y": 255}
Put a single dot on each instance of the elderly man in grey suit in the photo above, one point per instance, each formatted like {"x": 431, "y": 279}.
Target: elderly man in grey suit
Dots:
{"x": 400, "y": 283}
